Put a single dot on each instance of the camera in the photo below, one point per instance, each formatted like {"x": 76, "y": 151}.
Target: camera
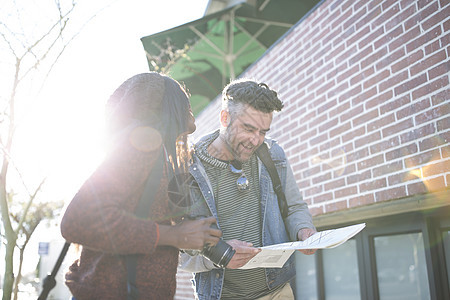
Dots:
{"x": 182, "y": 207}
{"x": 220, "y": 254}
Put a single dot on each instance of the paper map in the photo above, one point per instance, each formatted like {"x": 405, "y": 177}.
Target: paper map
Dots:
{"x": 275, "y": 256}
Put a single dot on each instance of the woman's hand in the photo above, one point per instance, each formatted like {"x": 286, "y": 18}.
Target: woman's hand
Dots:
{"x": 190, "y": 234}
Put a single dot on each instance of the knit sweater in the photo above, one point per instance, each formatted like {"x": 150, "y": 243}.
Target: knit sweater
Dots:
{"x": 101, "y": 218}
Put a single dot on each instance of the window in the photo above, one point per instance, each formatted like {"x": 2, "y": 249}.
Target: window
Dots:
{"x": 396, "y": 257}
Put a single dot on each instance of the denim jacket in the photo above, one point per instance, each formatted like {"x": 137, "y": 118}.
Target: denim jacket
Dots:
{"x": 209, "y": 278}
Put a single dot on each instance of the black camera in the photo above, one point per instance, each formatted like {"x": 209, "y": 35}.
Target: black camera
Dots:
{"x": 182, "y": 207}
{"x": 220, "y": 254}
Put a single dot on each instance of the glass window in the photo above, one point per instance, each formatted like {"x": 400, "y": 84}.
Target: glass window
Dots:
{"x": 306, "y": 279}
{"x": 341, "y": 274}
{"x": 401, "y": 267}
{"x": 446, "y": 235}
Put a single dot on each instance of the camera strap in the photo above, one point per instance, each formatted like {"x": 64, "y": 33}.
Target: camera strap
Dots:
{"x": 141, "y": 211}
{"x": 264, "y": 156}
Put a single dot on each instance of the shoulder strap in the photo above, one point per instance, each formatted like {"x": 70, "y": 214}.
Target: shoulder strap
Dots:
{"x": 142, "y": 209}
{"x": 264, "y": 156}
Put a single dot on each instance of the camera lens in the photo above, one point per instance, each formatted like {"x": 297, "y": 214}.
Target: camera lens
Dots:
{"x": 220, "y": 254}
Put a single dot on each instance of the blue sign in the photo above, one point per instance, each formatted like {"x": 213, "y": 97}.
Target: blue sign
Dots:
{"x": 43, "y": 248}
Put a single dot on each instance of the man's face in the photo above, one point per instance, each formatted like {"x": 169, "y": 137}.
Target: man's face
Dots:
{"x": 246, "y": 132}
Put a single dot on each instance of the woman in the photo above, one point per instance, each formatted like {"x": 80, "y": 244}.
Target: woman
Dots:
{"x": 147, "y": 115}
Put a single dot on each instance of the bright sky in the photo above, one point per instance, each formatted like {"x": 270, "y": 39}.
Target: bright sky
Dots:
{"x": 70, "y": 109}
{"x": 61, "y": 135}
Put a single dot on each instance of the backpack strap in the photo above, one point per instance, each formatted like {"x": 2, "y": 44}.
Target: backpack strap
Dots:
{"x": 264, "y": 156}
{"x": 142, "y": 209}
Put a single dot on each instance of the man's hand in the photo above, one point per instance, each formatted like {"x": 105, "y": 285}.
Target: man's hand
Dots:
{"x": 302, "y": 235}
{"x": 244, "y": 252}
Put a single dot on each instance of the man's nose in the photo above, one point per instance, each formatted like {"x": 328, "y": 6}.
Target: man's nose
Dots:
{"x": 255, "y": 139}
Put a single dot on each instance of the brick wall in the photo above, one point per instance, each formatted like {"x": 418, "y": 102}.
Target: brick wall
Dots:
{"x": 366, "y": 92}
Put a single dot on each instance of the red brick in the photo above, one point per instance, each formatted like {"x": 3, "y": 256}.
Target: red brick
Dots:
{"x": 316, "y": 211}
{"x": 336, "y": 90}
{"x": 411, "y": 84}
{"x": 390, "y": 59}
{"x": 413, "y": 109}
{"x": 397, "y": 127}
{"x": 372, "y": 185}
{"x": 360, "y": 34}
{"x": 357, "y": 155}
{"x": 393, "y": 80}
{"x": 388, "y": 37}
{"x": 351, "y": 113}
{"x": 385, "y": 145}
{"x": 433, "y": 114}
{"x": 361, "y": 55}
{"x": 424, "y": 39}
{"x": 401, "y": 17}
{"x": 379, "y": 77}
{"x": 402, "y": 177}
{"x": 344, "y": 56}
{"x": 323, "y": 198}
{"x": 439, "y": 70}
{"x": 331, "y": 143}
{"x": 354, "y": 18}
{"x": 390, "y": 194}
{"x": 389, "y": 168}
{"x": 441, "y": 167}
{"x": 422, "y": 158}
{"x": 380, "y": 123}
{"x": 393, "y": 105}
{"x": 347, "y": 74}
{"x": 440, "y": 16}
{"x": 318, "y": 139}
{"x": 361, "y": 76}
{"x": 340, "y": 129}
{"x": 428, "y": 62}
{"x": 380, "y": 99}
{"x": 336, "y": 206}
{"x": 443, "y": 124}
{"x": 370, "y": 162}
{"x": 427, "y": 186}
{"x": 314, "y": 190}
{"x": 418, "y": 133}
{"x": 345, "y": 192}
{"x": 408, "y": 61}
{"x": 354, "y": 178}
{"x": 337, "y": 70}
{"x": 334, "y": 184}
{"x": 368, "y": 139}
{"x": 440, "y": 97}
{"x": 433, "y": 47}
{"x": 365, "y": 118}
{"x": 321, "y": 178}
{"x": 349, "y": 94}
{"x": 353, "y": 134}
{"x": 367, "y": 19}
{"x": 404, "y": 38}
{"x": 401, "y": 152}
{"x": 420, "y": 16}
{"x": 326, "y": 126}
{"x": 365, "y": 97}
{"x": 361, "y": 200}
{"x": 372, "y": 59}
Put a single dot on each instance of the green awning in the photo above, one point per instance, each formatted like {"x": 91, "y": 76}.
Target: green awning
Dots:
{"x": 206, "y": 53}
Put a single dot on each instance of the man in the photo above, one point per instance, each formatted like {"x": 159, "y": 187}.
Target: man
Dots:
{"x": 234, "y": 186}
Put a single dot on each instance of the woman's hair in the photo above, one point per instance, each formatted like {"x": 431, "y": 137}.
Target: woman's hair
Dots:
{"x": 154, "y": 100}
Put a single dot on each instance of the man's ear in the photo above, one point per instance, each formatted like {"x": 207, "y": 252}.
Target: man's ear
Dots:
{"x": 225, "y": 118}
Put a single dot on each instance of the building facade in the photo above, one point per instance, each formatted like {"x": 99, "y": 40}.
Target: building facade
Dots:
{"x": 365, "y": 127}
